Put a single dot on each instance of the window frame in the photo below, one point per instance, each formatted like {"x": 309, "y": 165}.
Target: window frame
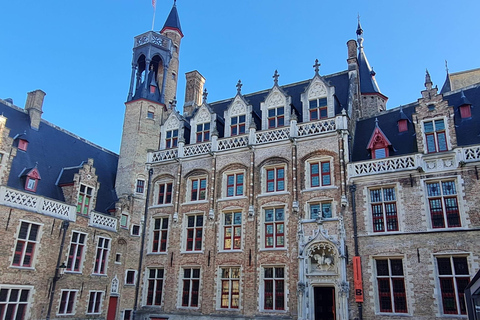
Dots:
{"x": 26, "y": 243}
{"x": 121, "y": 224}
{"x": 320, "y": 205}
{"x": 162, "y": 195}
{"x": 235, "y": 237}
{"x": 159, "y": 235}
{"x": 95, "y": 306}
{"x": 191, "y": 233}
{"x": 100, "y": 263}
{"x": 274, "y": 235}
{"x": 154, "y": 287}
{"x": 29, "y": 186}
{"x": 454, "y": 277}
{"x": 276, "y": 281}
{"x": 171, "y": 139}
{"x": 77, "y": 256}
{"x": 127, "y": 316}
{"x": 135, "y": 231}
{"x": 228, "y": 292}
{"x": 140, "y": 186}
{"x": 279, "y": 182}
{"x": 134, "y": 279}
{"x": 278, "y": 119}
{"x": 204, "y": 134}
{"x": 386, "y": 210}
{"x": 198, "y": 196}
{"x": 85, "y": 199}
{"x": 393, "y": 282}
{"x": 236, "y": 184}
{"x": 435, "y": 134}
{"x": 22, "y": 144}
{"x": 239, "y": 126}
{"x": 318, "y": 108}
{"x": 67, "y": 302}
{"x": 435, "y": 211}
{"x": 22, "y": 303}
{"x": 310, "y": 174}
{"x": 190, "y": 294}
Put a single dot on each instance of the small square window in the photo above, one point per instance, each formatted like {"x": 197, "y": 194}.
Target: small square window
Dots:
{"x": 22, "y": 144}
{"x": 140, "y": 186}
{"x": 130, "y": 277}
{"x": 135, "y": 230}
{"x": 118, "y": 258}
{"x": 321, "y": 210}
{"x": 150, "y": 115}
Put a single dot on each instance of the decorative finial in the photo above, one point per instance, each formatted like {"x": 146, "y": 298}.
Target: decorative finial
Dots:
{"x": 239, "y": 86}
{"x": 174, "y": 102}
{"x": 205, "y": 94}
{"x": 359, "y": 27}
{"x": 275, "y": 77}
{"x": 446, "y": 66}
{"x": 316, "y": 66}
{"x": 428, "y": 80}
{"x": 376, "y": 122}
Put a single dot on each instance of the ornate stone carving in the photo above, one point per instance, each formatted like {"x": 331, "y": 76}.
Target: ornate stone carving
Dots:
{"x": 238, "y": 108}
{"x": 172, "y": 123}
{"x": 317, "y": 90}
{"x": 275, "y": 99}
{"x": 322, "y": 257}
{"x": 203, "y": 116}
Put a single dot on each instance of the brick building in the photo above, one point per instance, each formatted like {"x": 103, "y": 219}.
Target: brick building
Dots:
{"x": 304, "y": 201}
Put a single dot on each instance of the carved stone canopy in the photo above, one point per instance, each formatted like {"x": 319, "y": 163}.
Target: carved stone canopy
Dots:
{"x": 322, "y": 257}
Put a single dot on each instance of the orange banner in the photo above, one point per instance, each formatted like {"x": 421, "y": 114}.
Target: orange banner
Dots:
{"x": 357, "y": 279}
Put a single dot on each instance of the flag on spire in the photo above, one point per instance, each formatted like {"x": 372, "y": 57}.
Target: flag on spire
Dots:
{"x": 154, "y": 3}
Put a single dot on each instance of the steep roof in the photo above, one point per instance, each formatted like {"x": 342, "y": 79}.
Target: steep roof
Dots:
{"x": 173, "y": 21}
{"x": 52, "y": 149}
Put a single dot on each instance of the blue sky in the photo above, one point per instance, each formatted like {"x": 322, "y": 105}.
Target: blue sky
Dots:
{"x": 79, "y": 52}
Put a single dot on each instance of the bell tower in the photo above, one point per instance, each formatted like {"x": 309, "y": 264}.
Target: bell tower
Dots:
{"x": 153, "y": 86}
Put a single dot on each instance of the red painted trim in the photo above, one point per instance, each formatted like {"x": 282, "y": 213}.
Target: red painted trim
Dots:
{"x": 172, "y": 29}
{"x": 143, "y": 99}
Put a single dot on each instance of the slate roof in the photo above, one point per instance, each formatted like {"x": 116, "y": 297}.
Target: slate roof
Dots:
{"x": 339, "y": 80}
{"x": 368, "y": 84}
{"x": 467, "y": 130}
{"x": 52, "y": 149}
{"x": 173, "y": 21}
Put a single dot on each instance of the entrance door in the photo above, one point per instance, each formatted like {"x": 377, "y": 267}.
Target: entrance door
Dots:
{"x": 112, "y": 308}
{"x": 324, "y": 300}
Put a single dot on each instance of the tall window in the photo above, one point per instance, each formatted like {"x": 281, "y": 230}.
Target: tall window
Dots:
{"x": 160, "y": 233}
{"x": 171, "y": 139}
{"x": 27, "y": 239}
{"x": 274, "y": 288}
{"x": 13, "y": 303}
{"x": 318, "y": 109}
{"x": 155, "y": 287}
{"x": 274, "y": 228}
{"x": 384, "y": 209}
{"x": 75, "y": 254}
{"x": 67, "y": 302}
{"x": 322, "y": 209}
{"x": 127, "y": 314}
{"x": 232, "y": 232}
{"x": 194, "y": 232}
{"x": 130, "y": 277}
{"x": 453, "y": 276}
{"x": 275, "y": 179}
{"x": 443, "y": 203}
{"x": 320, "y": 174}
{"x": 124, "y": 220}
{"x": 237, "y": 125}
{"x": 165, "y": 193}
{"x": 94, "y": 302}
{"x": 140, "y": 186}
{"x": 203, "y": 132}
{"x": 435, "y": 136}
{"x": 84, "y": 199}
{"x": 198, "y": 189}
{"x": 103, "y": 246}
{"x": 391, "y": 286}
{"x": 235, "y": 185}
{"x": 230, "y": 280}
{"x": 191, "y": 286}
{"x": 276, "y": 117}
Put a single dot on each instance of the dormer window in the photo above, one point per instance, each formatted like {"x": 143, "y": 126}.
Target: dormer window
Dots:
{"x": 318, "y": 109}
{"x": 31, "y": 181}
{"x": 378, "y": 144}
{"x": 435, "y": 136}
{"x": 237, "y": 125}
{"x": 84, "y": 200}
{"x": 402, "y": 125}
{"x": 22, "y": 144}
{"x": 276, "y": 117}
{"x": 171, "y": 140}
{"x": 203, "y": 132}
{"x": 465, "y": 111}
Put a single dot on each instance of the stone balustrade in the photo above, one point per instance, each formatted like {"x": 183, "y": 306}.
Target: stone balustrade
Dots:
{"x": 103, "y": 221}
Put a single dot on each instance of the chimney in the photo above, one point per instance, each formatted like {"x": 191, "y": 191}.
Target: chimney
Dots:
{"x": 34, "y": 106}
{"x": 352, "y": 53}
{"x": 193, "y": 92}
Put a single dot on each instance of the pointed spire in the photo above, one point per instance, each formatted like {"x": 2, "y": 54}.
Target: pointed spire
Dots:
{"x": 359, "y": 34}
{"x": 239, "y": 87}
{"x": 173, "y": 21}
{"x": 368, "y": 84}
{"x": 359, "y": 27}
{"x": 428, "y": 80}
{"x": 317, "y": 67}
{"x": 275, "y": 77}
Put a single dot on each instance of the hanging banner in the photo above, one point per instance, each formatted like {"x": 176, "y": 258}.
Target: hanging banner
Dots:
{"x": 357, "y": 279}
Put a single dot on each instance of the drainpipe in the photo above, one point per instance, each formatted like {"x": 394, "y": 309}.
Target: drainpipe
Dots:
{"x": 353, "y": 188}
{"x": 140, "y": 259}
{"x": 57, "y": 277}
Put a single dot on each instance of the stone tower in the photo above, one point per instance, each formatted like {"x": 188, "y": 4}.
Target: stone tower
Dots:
{"x": 153, "y": 86}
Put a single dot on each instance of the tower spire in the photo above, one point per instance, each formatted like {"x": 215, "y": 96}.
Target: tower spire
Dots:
{"x": 173, "y": 21}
